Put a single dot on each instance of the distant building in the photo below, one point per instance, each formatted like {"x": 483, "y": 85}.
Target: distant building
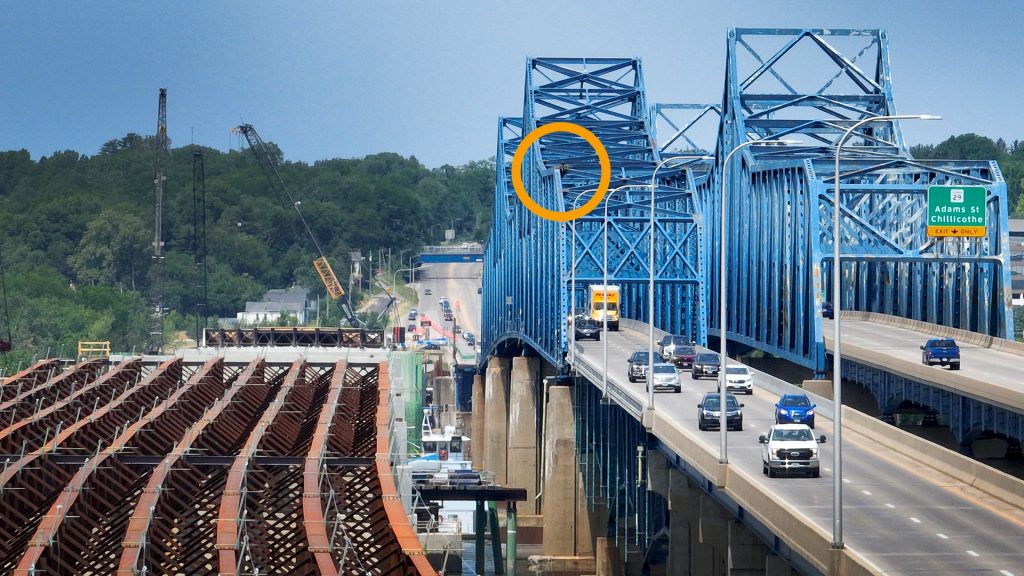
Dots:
{"x": 276, "y": 303}
{"x": 1017, "y": 260}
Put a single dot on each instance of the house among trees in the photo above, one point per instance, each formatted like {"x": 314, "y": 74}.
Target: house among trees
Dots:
{"x": 277, "y": 304}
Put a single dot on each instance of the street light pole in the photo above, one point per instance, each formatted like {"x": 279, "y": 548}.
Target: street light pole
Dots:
{"x": 604, "y": 336}
{"x": 650, "y": 287}
{"x": 837, "y": 297}
{"x": 723, "y": 393}
{"x": 572, "y": 296}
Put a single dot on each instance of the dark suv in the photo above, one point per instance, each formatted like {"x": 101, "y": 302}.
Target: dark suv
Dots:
{"x": 709, "y": 413}
{"x": 941, "y": 351}
{"x": 678, "y": 350}
{"x": 587, "y": 328}
{"x": 638, "y": 365}
{"x": 705, "y": 364}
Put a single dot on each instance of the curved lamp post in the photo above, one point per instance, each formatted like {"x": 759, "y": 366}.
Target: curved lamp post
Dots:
{"x": 723, "y": 405}
{"x": 837, "y": 297}
{"x": 650, "y": 286}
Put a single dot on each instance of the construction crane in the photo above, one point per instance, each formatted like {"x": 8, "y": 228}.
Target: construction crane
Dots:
{"x": 268, "y": 162}
{"x": 5, "y": 344}
{"x": 156, "y": 332}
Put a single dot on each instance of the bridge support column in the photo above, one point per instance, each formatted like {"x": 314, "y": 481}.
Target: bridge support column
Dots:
{"x": 496, "y": 415}
{"x": 711, "y": 550}
{"x": 477, "y": 441}
{"x": 820, "y": 387}
{"x": 746, "y": 551}
{"x": 774, "y": 565}
{"x": 684, "y": 508}
{"x": 1013, "y": 451}
{"x": 522, "y": 430}
{"x": 559, "y": 503}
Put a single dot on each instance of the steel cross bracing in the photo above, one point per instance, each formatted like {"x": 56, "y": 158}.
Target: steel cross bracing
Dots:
{"x": 812, "y": 85}
{"x": 527, "y": 270}
{"x": 134, "y": 477}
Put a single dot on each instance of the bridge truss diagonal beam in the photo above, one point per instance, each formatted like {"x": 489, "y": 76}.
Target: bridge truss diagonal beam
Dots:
{"x": 781, "y": 200}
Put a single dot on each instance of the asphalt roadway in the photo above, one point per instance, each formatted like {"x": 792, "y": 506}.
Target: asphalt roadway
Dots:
{"x": 904, "y": 517}
{"x": 459, "y": 283}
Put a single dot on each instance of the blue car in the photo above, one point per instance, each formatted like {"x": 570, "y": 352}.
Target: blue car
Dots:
{"x": 794, "y": 409}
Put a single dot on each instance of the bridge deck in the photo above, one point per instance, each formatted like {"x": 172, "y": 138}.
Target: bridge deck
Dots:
{"x": 901, "y": 515}
{"x": 990, "y": 375}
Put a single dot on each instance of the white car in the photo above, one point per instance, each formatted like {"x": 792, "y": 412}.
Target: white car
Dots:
{"x": 790, "y": 448}
{"x": 666, "y": 378}
{"x": 739, "y": 379}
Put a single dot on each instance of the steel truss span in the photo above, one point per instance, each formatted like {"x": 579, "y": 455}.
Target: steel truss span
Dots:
{"x": 193, "y": 469}
{"x": 528, "y": 262}
{"x": 781, "y": 200}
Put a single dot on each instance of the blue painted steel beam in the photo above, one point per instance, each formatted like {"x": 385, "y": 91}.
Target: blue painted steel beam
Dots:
{"x": 526, "y": 267}
{"x": 781, "y": 201}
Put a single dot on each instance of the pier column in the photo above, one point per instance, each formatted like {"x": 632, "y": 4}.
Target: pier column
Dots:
{"x": 559, "y": 474}
{"x": 477, "y": 440}
{"x": 522, "y": 430}
{"x": 496, "y": 415}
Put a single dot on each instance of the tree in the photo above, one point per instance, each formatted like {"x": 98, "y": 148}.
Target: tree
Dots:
{"x": 113, "y": 251}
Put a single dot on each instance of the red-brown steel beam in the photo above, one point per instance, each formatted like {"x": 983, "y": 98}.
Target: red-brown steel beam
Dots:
{"x": 39, "y": 372}
{"x": 142, "y": 515}
{"x": 314, "y": 522}
{"x": 231, "y": 503}
{"x": 404, "y": 532}
{"x": 52, "y": 522}
{"x": 17, "y": 432}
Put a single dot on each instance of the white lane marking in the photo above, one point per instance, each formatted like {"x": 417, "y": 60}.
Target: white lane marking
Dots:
{"x": 828, "y": 469}
{"x": 889, "y": 506}
{"x": 1006, "y": 573}
{"x": 915, "y": 520}
{"x": 943, "y": 536}
{"x": 865, "y": 492}
{"x": 973, "y": 553}
{"x": 846, "y": 480}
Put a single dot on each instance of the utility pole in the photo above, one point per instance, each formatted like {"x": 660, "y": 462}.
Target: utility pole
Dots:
{"x": 199, "y": 244}
{"x": 156, "y": 332}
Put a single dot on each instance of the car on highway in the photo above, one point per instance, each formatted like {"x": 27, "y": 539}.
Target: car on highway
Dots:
{"x": 826, "y": 310}
{"x": 678, "y": 350}
{"x": 443, "y": 301}
{"x": 471, "y": 339}
{"x": 479, "y": 290}
{"x": 638, "y": 365}
{"x": 790, "y": 448}
{"x": 941, "y": 351}
{"x": 709, "y": 414}
{"x": 705, "y": 364}
{"x": 428, "y": 292}
{"x": 795, "y": 409}
{"x": 739, "y": 379}
{"x": 412, "y": 314}
{"x": 666, "y": 378}
{"x": 587, "y": 328}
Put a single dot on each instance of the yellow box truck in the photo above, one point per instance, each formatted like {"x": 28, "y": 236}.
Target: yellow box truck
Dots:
{"x": 604, "y": 301}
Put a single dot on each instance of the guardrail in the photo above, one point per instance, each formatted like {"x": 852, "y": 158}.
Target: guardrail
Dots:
{"x": 285, "y": 336}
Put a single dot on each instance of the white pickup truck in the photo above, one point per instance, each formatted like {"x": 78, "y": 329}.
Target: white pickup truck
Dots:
{"x": 790, "y": 448}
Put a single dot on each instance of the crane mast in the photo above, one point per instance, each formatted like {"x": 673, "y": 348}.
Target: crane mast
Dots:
{"x": 268, "y": 163}
{"x": 156, "y": 333}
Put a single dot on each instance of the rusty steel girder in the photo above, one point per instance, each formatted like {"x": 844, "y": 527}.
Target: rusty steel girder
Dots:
{"x": 202, "y": 470}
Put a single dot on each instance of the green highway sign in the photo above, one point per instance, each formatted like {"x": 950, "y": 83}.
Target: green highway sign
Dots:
{"x": 956, "y": 211}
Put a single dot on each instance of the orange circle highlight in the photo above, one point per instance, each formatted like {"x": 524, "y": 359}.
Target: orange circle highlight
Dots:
{"x": 602, "y": 158}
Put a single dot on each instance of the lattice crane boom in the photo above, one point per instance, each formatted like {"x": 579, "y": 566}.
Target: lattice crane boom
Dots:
{"x": 268, "y": 163}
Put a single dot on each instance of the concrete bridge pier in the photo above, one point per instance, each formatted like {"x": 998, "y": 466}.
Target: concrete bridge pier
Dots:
{"x": 566, "y": 529}
{"x": 478, "y": 434}
{"x": 496, "y": 417}
{"x": 522, "y": 429}
{"x": 704, "y": 538}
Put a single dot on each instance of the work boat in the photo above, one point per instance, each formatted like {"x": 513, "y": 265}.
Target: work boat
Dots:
{"x": 443, "y": 462}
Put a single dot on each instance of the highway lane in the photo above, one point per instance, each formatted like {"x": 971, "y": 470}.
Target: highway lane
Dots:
{"x": 458, "y": 282}
{"x": 906, "y": 518}
{"x": 999, "y": 372}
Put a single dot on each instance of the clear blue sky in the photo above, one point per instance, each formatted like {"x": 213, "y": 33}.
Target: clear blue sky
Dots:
{"x": 346, "y": 79}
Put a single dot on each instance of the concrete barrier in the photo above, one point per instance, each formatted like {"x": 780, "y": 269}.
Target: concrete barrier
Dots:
{"x": 967, "y": 470}
{"x": 795, "y": 529}
{"x": 983, "y": 340}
